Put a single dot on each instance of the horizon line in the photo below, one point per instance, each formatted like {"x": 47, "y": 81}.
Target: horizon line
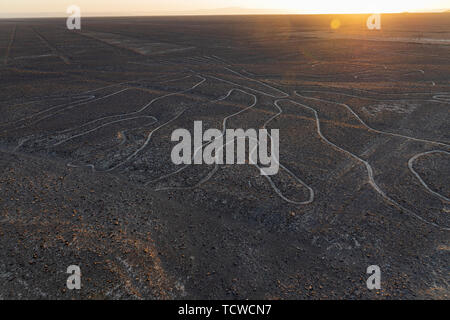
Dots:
{"x": 204, "y": 13}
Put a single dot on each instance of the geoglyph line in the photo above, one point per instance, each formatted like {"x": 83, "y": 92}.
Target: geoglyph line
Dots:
{"x": 440, "y": 97}
{"x": 369, "y": 170}
{"x": 370, "y": 128}
{"x": 113, "y": 116}
{"x": 10, "y": 44}
{"x": 149, "y": 136}
{"x": 411, "y": 167}
{"x": 435, "y": 98}
{"x": 214, "y": 170}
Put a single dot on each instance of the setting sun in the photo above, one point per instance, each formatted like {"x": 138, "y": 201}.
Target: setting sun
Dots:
{"x": 23, "y": 8}
{"x": 355, "y": 6}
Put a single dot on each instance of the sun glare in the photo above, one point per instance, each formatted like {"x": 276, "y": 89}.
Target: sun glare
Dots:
{"x": 335, "y": 24}
{"x": 355, "y": 6}
{"x": 169, "y": 7}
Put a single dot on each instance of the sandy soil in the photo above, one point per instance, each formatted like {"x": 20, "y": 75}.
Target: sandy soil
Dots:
{"x": 87, "y": 177}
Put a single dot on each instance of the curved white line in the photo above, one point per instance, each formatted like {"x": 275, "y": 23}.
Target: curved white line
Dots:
{"x": 370, "y": 128}
{"x": 211, "y": 173}
{"x": 411, "y": 167}
{"x": 369, "y": 170}
{"x": 102, "y": 126}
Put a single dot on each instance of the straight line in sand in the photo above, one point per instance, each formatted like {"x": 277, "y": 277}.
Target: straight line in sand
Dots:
{"x": 51, "y": 47}
{"x": 11, "y": 41}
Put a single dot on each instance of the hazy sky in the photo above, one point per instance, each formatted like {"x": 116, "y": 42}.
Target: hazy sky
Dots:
{"x": 123, "y": 7}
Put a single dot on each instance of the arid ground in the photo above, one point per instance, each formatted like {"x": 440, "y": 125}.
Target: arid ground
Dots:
{"x": 86, "y": 118}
